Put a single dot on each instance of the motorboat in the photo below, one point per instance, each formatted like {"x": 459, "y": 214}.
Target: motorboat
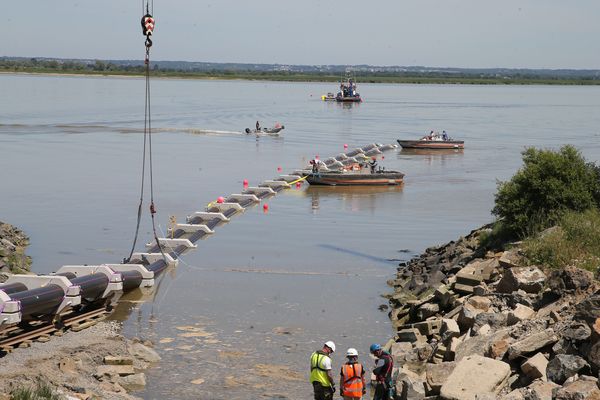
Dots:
{"x": 274, "y": 131}
{"x": 380, "y": 177}
{"x": 433, "y": 141}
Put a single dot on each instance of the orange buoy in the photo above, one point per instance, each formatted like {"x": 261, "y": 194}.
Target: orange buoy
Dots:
{"x": 220, "y": 199}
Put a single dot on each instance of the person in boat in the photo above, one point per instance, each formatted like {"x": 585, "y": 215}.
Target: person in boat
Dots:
{"x": 373, "y": 164}
{"x": 316, "y": 165}
{"x": 444, "y": 136}
{"x": 257, "y": 126}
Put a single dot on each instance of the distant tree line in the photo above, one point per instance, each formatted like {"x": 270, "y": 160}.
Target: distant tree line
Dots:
{"x": 299, "y": 73}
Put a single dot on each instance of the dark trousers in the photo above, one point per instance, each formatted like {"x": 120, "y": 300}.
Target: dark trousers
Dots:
{"x": 382, "y": 391}
{"x": 322, "y": 392}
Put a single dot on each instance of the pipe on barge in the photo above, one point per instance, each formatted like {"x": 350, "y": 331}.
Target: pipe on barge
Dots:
{"x": 13, "y": 288}
{"x": 91, "y": 287}
{"x": 40, "y": 301}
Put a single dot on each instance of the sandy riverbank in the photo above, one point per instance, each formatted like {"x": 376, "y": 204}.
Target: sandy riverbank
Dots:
{"x": 97, "y": 362}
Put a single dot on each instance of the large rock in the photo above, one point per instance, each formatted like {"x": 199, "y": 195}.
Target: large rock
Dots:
{"x": 577, "y": 331}
{"x": 564, "y": 366}
{"x": 531, "y": 344}
{"x": 109, "y": 370}
{"x": 510, "y": 259}
{"x": 402, "y": 352}
{"x": 409, "y": 385}
{"x": 540, "y": 390}
{"x": 474, "y": 306}
{"x": 473, "y": 376}
{"x": 436, "y": 375}
{"x": 133, "y": 382}
{"x": 449, "y": 330}
{"x": 528, "y": 279}
{"x": 569, "y": 278}
{"x": 519, "y": 314}
{"x": 145, "y": 353}
{"x": 582, "y": 389}
{"x": 427, "y": 310}
{"x": 535, "y": 367}
{"x": 589, "y": 308}
{"x": 593, "y": 356}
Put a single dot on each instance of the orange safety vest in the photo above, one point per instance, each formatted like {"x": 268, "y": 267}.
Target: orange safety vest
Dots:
{"x": 352, "y": 379}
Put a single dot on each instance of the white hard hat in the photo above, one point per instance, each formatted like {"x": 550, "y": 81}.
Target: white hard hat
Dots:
{"x": 331, "y": 345}
{"x": 351, "y": 352}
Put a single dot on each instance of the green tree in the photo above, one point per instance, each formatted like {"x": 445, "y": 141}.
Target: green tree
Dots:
{"x": 548, "y": 184}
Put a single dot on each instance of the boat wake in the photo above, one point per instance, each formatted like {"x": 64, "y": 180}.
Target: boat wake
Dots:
{"x": 98, "y": 128}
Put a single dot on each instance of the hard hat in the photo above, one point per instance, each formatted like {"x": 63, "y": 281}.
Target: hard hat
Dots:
{"x": 331, "y": 345}
{"x": 351, "y": 352}
{"x": 374, "y": 347}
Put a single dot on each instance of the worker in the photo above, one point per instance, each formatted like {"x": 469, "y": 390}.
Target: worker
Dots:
{"x": 352, "y": 377}
{"x": 320, "y": 372}
{"x": 373, "y": 164}
{"x": 383, "y": 373}
{"x": 257, "y": 126}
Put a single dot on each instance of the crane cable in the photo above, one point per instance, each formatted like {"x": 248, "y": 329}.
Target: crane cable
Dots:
{"x": 147, "y": 29}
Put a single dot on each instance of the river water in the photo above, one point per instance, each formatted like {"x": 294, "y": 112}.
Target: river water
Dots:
{"x": 242, "y": 312}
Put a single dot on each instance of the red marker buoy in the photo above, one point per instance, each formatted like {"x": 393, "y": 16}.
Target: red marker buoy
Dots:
{"x": 220, "y": 199}
{"x": 383, "y": 157}
{"x": 317, "y": 157}
{"x": 345, "y": 146}
{"x": 265, "y": 207}
{"x": 245, "y": 182}
{"x": 278, "y": 169}
{"x": 298, "y": 184}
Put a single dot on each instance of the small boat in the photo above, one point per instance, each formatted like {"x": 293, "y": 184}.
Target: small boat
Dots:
{"x": 266, "y": 131}
{"x": 433, "y": 141}
{"x": 355, "y": 178}
{"x": 328, "y": 97}
{"x": 348, "y": 93}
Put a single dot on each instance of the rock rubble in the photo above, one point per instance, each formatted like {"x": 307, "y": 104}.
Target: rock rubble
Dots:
{"x": 473, "y": 324}
{"x": 13, "y": 243}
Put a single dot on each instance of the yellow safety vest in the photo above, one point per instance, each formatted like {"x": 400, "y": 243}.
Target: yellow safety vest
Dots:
{"x": 317, "y": 372}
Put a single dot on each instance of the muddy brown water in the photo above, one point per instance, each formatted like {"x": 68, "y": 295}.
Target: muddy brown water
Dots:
{"x": 241, "y": 314}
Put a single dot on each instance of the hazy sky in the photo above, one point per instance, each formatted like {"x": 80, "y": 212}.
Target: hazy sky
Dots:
{"x": 455, "y": 33}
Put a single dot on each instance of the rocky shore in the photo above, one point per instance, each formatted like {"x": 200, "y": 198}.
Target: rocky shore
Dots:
{"x": 95, "y": 363}
{"x": 475, "y": 324}
{"x": 13, "y": 243}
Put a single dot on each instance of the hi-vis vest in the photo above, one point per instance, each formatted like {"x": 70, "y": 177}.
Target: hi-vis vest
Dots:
{"x": 317, "y": 372}
{"x": 352, "y": 380}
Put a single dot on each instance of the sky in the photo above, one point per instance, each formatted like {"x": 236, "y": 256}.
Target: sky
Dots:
{"x": 434, "y": 33}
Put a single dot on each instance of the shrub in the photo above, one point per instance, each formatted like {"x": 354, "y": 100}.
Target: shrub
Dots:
{"x": 575, "y": 241}
{"x": 549, "y": 184}
{"x": 42, "y": 391}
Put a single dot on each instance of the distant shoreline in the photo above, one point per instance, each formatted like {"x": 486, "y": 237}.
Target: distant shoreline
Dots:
{"x": 302, "y": 77}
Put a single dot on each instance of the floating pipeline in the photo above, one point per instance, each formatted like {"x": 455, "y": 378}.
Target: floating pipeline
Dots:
{"x": 26, "y": 297}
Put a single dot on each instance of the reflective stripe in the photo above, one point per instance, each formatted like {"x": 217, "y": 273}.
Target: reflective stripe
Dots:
{"x": 352, "y": 378}
{"x": 317, "y": 372}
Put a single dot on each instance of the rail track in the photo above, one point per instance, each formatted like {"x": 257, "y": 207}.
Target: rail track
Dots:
{"x": 20, "y": 337}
